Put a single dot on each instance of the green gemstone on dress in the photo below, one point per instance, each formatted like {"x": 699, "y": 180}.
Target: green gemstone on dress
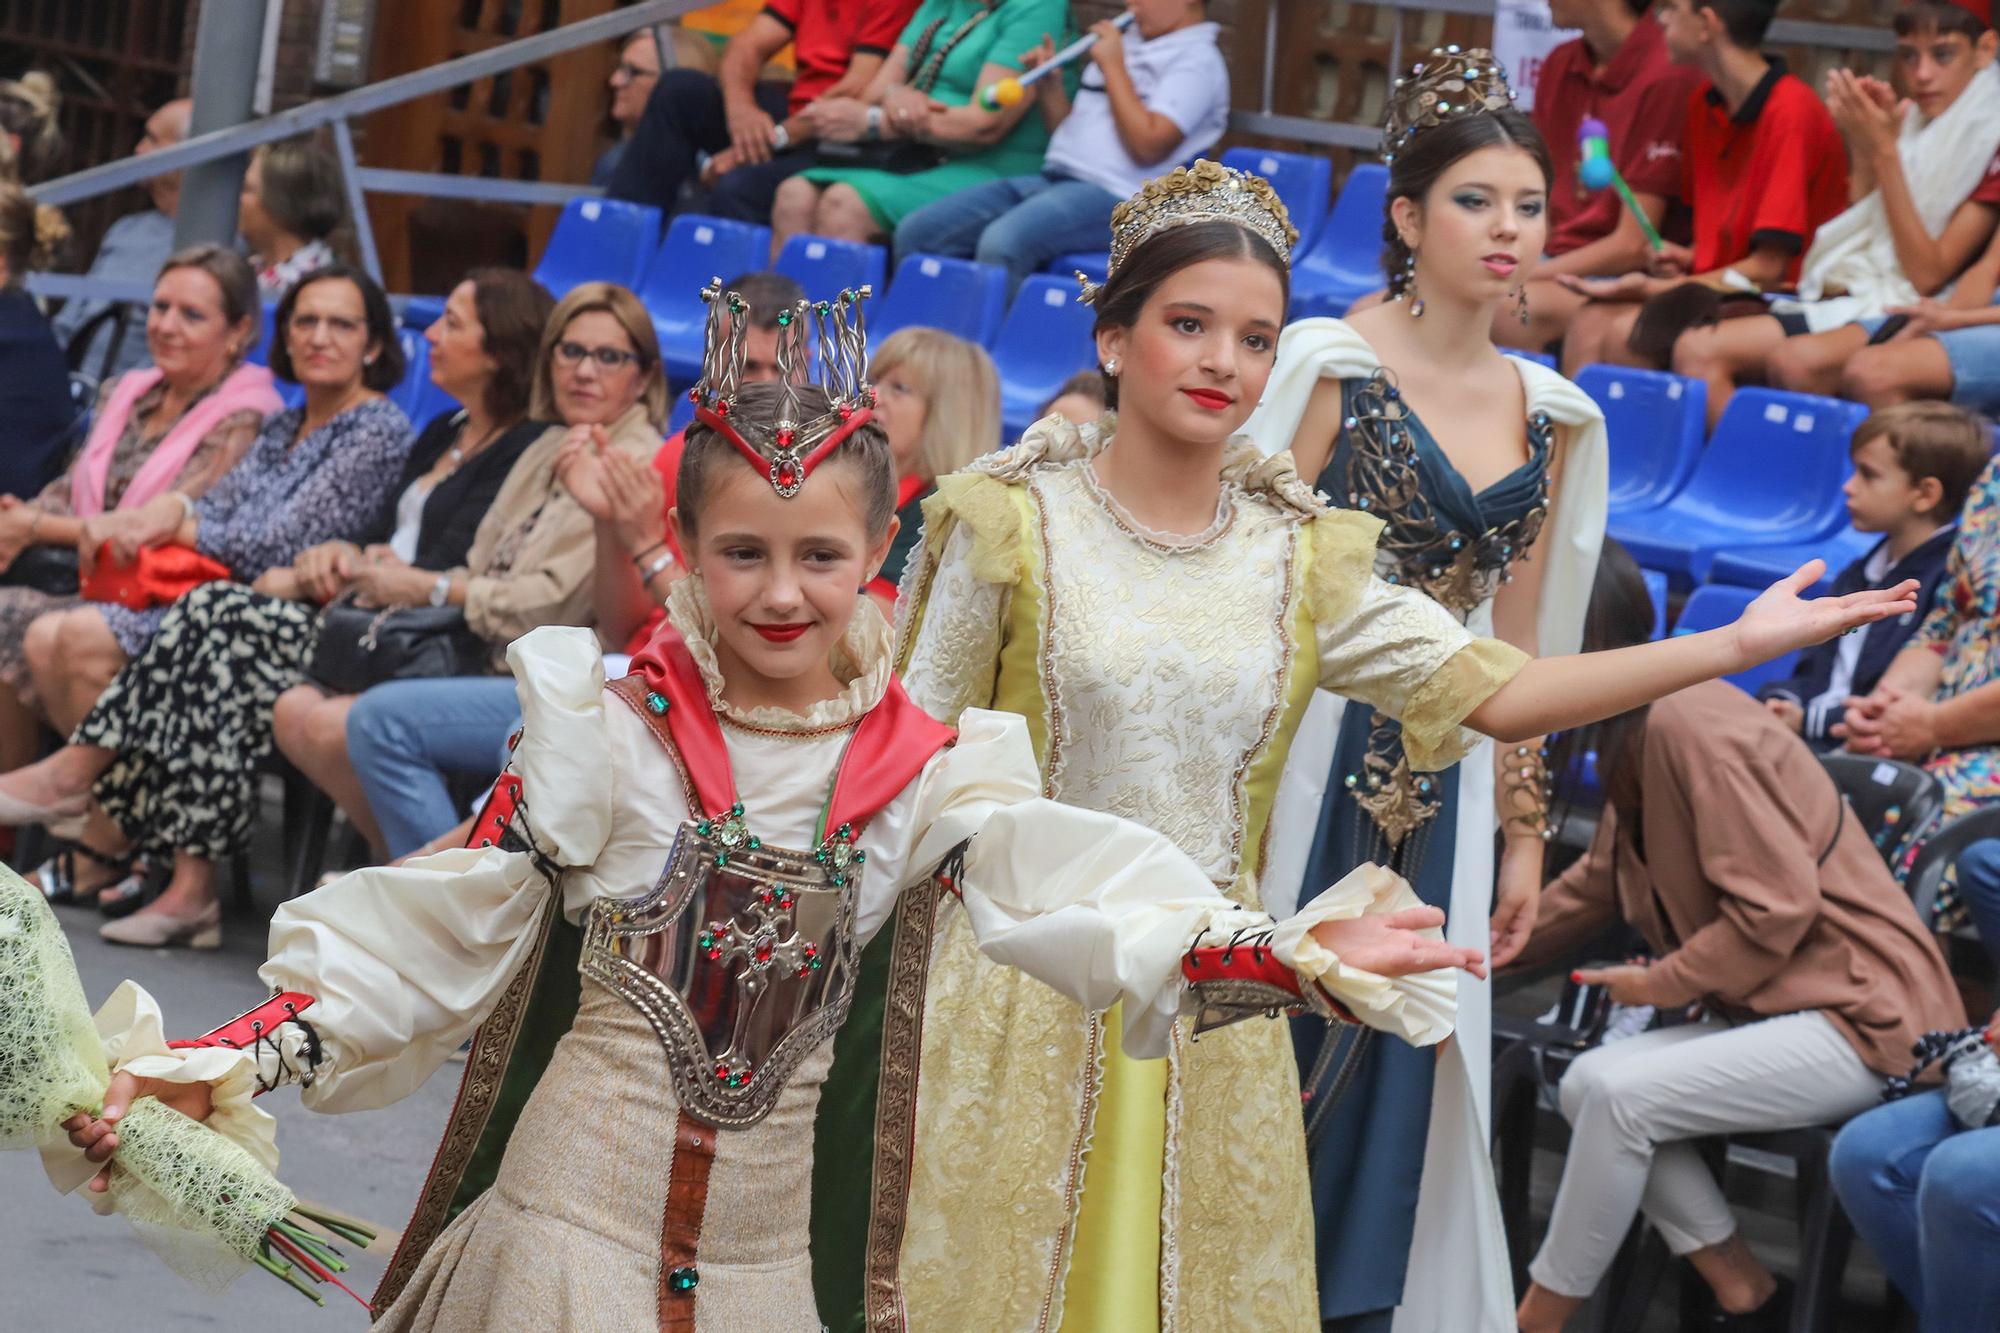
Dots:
{"x": 784, "y": 318}
{"x": 656, "y": 703}
{"x": 859, "y": 857}
{"x": 702, "y": 828}
{"x": 721, "y": 859}
{"x": 683, "y": 1279}
{"x": 755, "y": 843}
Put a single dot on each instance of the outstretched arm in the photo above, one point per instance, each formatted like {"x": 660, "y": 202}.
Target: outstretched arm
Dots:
{"x": 1557, "y": 693}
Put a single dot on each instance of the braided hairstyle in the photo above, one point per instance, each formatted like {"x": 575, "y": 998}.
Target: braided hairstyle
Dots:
{"x": 1430, "y": 153}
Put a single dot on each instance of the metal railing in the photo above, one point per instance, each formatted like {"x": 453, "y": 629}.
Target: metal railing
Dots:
{"x": 337, "y": 112}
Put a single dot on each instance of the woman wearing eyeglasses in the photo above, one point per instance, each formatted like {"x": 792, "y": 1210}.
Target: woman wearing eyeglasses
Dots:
{"x": 315, "y": 472}
{"x": 599, "y": 376}
{"x": 233, "y": 664}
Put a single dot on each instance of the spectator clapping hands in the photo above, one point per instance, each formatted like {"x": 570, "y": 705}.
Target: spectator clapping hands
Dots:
{"x": 620, "y": 493}
{"x": 1866, "y": 111}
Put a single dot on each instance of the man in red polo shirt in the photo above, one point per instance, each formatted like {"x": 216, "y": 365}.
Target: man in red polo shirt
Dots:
{"x": 1617, "y": 72}
{"x": 756, "y": 133}
{"x": 1763, "y": 166}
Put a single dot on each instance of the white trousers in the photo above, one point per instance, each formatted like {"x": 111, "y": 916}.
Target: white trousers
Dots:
{"x": 1633, "y": 1104}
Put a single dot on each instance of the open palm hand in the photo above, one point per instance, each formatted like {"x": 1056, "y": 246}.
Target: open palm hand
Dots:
{"x": 1780, "y": 621}
{"x": 1391, "y": 944}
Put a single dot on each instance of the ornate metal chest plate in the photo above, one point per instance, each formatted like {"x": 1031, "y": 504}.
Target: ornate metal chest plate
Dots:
{"x": 742, "y": 968}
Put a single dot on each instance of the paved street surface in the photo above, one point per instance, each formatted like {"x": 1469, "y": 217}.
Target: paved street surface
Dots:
{"x": 64, "y": 1269}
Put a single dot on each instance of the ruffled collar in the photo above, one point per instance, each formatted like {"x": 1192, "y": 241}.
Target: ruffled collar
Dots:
{"x": 1054, "y": 439}
{"x": 861, "y": 662}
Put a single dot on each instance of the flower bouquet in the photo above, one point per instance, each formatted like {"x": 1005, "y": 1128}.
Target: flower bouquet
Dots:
{"x": 202, "y": 1202}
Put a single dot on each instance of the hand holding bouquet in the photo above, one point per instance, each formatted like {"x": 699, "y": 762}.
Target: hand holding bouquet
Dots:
{"x": 205, "y": 1203}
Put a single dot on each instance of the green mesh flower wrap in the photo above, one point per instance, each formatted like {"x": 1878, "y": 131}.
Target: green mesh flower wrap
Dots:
{"x": 198, "y": 1200}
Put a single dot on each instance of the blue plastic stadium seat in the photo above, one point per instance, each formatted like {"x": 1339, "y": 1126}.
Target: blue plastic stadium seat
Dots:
{"x": 267, "y": 333}
{"x": 1093, "y": 264}
{"x": 956, "y": 295}
{"x": 415, "y": 387}
{"x": 824, "y": 266}
{"x": 681, "y": 415}
{"x": 1656, "y": 422}
{"x": 1045, "y": 340}
{"x": 1656, "y": 588}
{"x": 1772, "y": 475}
{"x": 697, "y": 250}
{"x": 1759, "y": 567}
{"x": 1715, "y": 605}
{"x": 599, "y": 240}
{"x": 1346, "y": 262}
{"x": 1304, "y": 181}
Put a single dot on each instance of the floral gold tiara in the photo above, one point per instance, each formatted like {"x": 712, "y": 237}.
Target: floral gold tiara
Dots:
{"x": 1452, "y": 82}
{"x": 1204, "y": 192}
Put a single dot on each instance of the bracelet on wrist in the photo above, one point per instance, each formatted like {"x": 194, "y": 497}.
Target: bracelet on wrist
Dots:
{"x": 1524, "y": 794}
{"x": 660, "y": 564}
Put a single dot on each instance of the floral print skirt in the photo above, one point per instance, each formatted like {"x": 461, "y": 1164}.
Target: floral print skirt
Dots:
{"x": 189, "y": 718}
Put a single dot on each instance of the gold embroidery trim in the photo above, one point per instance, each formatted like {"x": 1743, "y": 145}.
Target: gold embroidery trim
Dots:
{"x": 485, "y": 1067}
{"x": 896, "y": 1109}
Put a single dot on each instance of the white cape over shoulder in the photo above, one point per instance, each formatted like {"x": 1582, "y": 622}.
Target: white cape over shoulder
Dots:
{"x": 1457, "y": 1208}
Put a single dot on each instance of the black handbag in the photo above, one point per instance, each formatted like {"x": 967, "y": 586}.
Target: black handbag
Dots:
{"x": 899, "y": 157}
{"x": 362, "y": 646}
{"x": 49, "y": 569}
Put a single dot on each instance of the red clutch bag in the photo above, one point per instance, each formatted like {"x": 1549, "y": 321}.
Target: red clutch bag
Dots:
{"x": 158, "y": 577}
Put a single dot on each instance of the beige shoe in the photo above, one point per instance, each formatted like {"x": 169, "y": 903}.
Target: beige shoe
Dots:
{"x": 152, "y": 929}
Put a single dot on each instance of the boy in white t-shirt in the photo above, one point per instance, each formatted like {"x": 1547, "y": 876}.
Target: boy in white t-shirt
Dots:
{"x": 1147, "y": 101}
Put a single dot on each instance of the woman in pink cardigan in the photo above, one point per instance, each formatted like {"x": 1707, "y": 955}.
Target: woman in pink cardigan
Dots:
{"x": 178, "y": 425}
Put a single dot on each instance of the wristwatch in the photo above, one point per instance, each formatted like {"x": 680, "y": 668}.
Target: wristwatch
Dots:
{"x": 874, "y": 122}
{"x": 441, "y": 591}
{"x": 781, "y": 138}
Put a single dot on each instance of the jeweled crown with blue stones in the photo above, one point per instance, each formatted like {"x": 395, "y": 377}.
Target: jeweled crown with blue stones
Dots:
{"x": 1451, "y": 82}
{"x": 785, "y": 450}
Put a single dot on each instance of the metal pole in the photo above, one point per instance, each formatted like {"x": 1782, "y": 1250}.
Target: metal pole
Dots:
{"x": 227, "y": 48}
{"x": 357, "y": 201}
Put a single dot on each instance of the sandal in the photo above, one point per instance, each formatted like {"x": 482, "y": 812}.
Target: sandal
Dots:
{"x": 55, "y": 878}
{"x": 120, "y": 867}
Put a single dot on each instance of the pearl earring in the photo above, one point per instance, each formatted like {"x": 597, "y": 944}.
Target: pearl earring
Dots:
{"x": 1410, "y": 292}
{"x": 1111, "y": 368}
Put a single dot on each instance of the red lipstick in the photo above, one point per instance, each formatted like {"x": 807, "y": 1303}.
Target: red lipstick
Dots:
{"x": 1212, "y": 399}
{"x": 781, "y": 633}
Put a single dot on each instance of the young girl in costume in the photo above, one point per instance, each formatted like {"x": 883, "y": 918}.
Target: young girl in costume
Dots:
{"x": 1488, "y": 473}
{"x": 728, "y": 825}
{"x": 1159, "y": 601}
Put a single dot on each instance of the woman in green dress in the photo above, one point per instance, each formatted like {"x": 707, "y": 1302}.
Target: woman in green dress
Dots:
{"x": 923, "y": 133}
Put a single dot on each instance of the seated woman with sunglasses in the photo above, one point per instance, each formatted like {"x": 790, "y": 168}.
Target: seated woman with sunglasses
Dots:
{"x": 386, "y": 758}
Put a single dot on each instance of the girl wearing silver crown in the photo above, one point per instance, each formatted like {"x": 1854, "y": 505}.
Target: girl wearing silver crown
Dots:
{"x": 1160, "y": 602}
{"x": 1488, "y": 473}
{"x": 658, "y": 926}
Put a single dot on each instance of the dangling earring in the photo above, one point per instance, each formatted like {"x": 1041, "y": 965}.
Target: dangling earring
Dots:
{"x": 1521, "y": 304}
{"x": 1111, "y": 369}
{"x": 1410, "y": 287}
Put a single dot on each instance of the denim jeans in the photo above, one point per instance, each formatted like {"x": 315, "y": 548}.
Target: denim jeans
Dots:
{"x": 404, "y": 736}
{"x": 1979, "y": 888}
{"x": 1019, "y": 223}
{"x": 1925, "y": 1195}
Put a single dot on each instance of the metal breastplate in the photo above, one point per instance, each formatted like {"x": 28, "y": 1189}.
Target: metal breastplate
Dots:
{"x": 742, "y": 968}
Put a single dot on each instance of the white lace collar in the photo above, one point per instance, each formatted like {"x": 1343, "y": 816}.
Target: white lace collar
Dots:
{"x": 861, "y": 662}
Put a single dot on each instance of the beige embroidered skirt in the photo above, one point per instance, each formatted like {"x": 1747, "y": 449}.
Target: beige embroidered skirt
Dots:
{"x": 568, "y": 1237}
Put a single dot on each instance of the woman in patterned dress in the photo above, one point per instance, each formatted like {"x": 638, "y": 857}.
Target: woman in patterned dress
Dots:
{"x": 190, "y": 416}
{"x": 318, "y": 471}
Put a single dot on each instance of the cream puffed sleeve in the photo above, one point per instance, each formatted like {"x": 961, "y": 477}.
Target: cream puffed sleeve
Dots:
{"x": 1393, "y": 648}
{"x": 404, "y": 962}
{"x": 1103, "y": 909}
